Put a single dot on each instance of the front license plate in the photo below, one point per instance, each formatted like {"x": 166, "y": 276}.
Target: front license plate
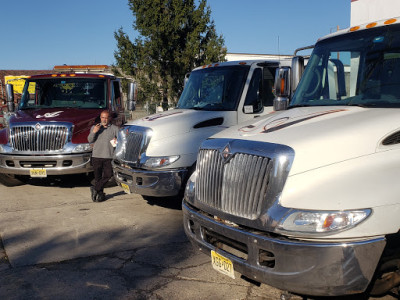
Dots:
{"x": 38, "y": 172}
{"x": 222, "y": 264}
{"x": 125, "y": 187}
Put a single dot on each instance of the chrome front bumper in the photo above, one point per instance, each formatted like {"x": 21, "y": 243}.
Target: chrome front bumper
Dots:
{"x": 304, "y": 267}
{"x": 54, "y": 164}
{"x": 151, "y": 183}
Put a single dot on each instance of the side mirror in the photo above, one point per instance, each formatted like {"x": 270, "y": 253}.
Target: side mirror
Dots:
{"x": 132, "y": 96}
{"x": 186, "y": 79}
{"x": 282, "y": 88}
{"x": 10, "y": 97}
{"x": 297, "y": 71}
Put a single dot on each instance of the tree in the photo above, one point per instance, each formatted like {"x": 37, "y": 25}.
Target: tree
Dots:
{"x": 174, "y": 37}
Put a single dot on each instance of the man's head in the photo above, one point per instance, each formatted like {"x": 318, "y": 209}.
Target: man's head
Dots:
{"x": 105, "y": 118}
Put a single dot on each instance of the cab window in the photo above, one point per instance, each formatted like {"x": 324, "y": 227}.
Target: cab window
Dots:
{"x": 260, "y": 92}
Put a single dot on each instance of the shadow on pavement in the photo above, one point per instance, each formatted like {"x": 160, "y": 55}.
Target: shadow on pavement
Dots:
{"x": 132, "y": 273}
{"x": 62, "y": 181}
{"x": 167, "y": 202}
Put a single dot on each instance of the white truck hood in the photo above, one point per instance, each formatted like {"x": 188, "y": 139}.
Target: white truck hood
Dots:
{"x": 179, "y": 121}
{"x": 321, "y": 136}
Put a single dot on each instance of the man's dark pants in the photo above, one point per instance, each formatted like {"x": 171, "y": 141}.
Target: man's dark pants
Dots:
{"x": 102, "y": 170}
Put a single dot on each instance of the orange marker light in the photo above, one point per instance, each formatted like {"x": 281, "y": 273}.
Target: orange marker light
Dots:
{"x": 328, "y": 221}
{"x": 370, "y": 25}
{"x": 354, "y": 28}
{"x": 282, "y": 85}
{"x": 390, "y": 21}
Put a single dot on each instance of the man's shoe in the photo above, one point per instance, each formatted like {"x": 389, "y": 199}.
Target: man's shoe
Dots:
{"x": 94, "y": 194}
{"x": 101, "y": 197}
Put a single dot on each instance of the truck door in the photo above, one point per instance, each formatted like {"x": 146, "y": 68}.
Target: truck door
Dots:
{"x": 259, "y": 97}
{"x": 117, "y": 106}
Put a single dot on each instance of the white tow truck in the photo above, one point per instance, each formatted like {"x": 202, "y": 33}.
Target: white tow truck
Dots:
{"x": 156, "y": 154}
{"x": 307, "y": 199}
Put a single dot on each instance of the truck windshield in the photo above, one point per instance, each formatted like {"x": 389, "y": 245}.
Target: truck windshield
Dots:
{"x": 217, "y": 88}
{"x": 361, "y": 68}
{"x": 64, "y": 93}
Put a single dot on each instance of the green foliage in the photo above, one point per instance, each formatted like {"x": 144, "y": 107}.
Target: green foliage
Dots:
{"x": 175, "y": 36}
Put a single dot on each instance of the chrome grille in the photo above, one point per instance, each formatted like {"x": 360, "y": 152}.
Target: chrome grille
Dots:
{"x": 132, "y": 142}
{"x": 42, "y": 138}
{"x": 238, "y": 186}
{"x": 133, "y": 146}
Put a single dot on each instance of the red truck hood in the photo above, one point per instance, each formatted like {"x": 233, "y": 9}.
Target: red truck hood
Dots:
{"x": 82, "y": 119}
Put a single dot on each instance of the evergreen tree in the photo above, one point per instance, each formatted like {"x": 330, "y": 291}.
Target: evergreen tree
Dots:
{"x": 174, "y": 37}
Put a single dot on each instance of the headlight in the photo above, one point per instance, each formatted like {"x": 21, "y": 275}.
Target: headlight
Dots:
{"x": 190, "y": 188}
{"x": 82, "y": 148}
{"x": 156, "y": 162}
{"x": 315, "y": 222}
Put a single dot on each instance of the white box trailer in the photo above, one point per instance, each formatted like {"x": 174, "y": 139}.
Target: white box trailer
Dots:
{"x": 365, "y": 11}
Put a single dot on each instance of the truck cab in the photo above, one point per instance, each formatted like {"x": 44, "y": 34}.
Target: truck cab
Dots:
{"x": 47, "y": 133}
{"x": 156, "y": 154}
{"x": 306, "y": 199}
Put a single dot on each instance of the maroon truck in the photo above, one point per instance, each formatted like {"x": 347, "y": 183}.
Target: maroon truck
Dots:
{"x": 47, "y": 133}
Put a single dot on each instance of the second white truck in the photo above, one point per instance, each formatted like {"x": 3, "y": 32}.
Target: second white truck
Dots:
{"x": 155, "y": 155}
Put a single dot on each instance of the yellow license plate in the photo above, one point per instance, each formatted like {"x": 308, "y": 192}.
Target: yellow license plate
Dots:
{"x": 38, "y": 172}
{"x": 125, "y": 187}
{"x": 222, "y": 264}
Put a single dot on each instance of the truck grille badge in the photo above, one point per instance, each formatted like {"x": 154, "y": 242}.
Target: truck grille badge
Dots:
{"x": 226, "y": 153}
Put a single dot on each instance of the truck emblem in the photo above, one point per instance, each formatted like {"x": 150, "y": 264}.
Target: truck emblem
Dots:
{"x": 226, "y": 153}
{"x": 38, "y": 127}
{"x": 50, "y": 115}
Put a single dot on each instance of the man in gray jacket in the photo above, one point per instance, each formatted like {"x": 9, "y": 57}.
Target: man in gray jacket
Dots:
{"x": 104, "y": 137}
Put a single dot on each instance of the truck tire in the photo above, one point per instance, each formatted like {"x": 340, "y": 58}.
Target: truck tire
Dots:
{"x": 10, "y": 180}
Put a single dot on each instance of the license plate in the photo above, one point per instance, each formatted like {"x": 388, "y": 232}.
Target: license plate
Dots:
{"x": 38, "y": 172}
{"x": 125, "y": 187}
{"x": 222, "y": 264}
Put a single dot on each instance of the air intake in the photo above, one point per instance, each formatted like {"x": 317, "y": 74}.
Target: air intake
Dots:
{"x": 392, "y": 139}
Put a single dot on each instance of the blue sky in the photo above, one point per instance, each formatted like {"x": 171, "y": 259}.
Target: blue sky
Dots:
{"x": 38, "y": 34}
